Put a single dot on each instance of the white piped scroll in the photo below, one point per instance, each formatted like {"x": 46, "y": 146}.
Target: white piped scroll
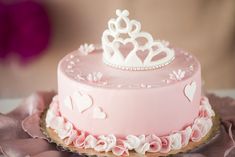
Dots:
{"x": 137, "y": 51}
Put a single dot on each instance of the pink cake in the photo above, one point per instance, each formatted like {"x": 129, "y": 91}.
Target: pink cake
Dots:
{"x": 131, "y": 94}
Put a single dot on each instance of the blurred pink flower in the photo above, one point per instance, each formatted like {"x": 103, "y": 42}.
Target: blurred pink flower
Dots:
{"x": 24, "y": 29}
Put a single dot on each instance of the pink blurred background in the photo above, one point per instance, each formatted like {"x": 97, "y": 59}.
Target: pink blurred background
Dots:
{"x": 204, "y": 28}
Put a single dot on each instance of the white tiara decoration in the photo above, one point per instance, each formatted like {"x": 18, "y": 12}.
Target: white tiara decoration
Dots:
{"x": 130, "y": 53}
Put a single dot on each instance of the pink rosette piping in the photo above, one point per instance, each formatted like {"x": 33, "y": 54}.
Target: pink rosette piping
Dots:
{"x": 166, "y": 144}
{"x": 120, "y": 149}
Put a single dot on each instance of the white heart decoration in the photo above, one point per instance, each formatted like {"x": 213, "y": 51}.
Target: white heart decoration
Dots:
{"x": 82, "y": 101}
{"x": 98, "y": 113}
{"x": 68, "y": 103}
{"x": 190, "y": 90}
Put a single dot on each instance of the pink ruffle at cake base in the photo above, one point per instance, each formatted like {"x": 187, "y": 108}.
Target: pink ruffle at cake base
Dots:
{"x": 119, "y": 146}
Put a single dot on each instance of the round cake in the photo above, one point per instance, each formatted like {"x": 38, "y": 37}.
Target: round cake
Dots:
{"x": 132, "y": 94}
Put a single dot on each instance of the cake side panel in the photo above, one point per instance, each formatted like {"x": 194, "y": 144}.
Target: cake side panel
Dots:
{"x": 131, "y": 111}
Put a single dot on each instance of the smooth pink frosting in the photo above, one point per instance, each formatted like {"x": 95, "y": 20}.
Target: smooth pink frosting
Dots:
{"x": 135, "y": 102}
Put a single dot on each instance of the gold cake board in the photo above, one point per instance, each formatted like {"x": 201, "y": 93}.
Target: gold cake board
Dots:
{"x": 192, "y": 146}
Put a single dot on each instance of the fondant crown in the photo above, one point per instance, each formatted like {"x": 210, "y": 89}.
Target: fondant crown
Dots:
{"x": 137, "y": 51}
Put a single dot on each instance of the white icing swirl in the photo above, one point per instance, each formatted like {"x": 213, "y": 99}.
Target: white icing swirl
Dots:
{"x": 166, "y": 144}
{"x": 120, "y": 149}
{"x": 132, "y": 142}
{"x": 49, "y": 117}
{"x": 57, "y": 123}
{"x": 79, "y": 141}
{"x": 105, "y": 143}
{"x": 204, "y": 124}
{"x": 186, "y": 133}
{"x": 196, "y": 134}
{"x": 205, "y": 109}
{"x": 65, "y": 131}
{"x": 176, "y": 141}
{"x": 71, "y": 137}
{"x": 143, "y": 146}
{"x": 90, "y": 142}
{"x": 155, "y": 143}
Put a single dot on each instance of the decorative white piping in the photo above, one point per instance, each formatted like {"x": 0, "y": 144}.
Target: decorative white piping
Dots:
{"x": 85, "y": 49}
{"x": 115, "y": 46}
{"x": 177, "y": 75}
{"x": 94, "y": 76}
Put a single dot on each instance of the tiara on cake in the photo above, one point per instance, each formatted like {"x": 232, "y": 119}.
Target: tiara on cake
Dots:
{"x": 125, "y": 46}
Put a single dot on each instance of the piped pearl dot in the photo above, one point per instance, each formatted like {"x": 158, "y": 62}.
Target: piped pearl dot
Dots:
{"x": 72, "y": 62}
{"x": 191, "y": 67}
{"x": 149, "y": 86}
{"x": 143, "y": 85}
{"x": 105, "y": 83}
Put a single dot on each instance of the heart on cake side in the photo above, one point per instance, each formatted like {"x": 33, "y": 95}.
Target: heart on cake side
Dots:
{"x": 81, "y": 101}
{"x": 98, "y": 113}
{"x": 190, "y": 90}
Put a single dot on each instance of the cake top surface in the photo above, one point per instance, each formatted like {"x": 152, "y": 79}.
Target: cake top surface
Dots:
{"x": 128, "y": 58}
{"x": 89, "y": 69}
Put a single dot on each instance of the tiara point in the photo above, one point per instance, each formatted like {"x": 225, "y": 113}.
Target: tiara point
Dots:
{"x": 126, "y": 58}
{"x": 118, "y": 12}
{"x": 124, "y": 12}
